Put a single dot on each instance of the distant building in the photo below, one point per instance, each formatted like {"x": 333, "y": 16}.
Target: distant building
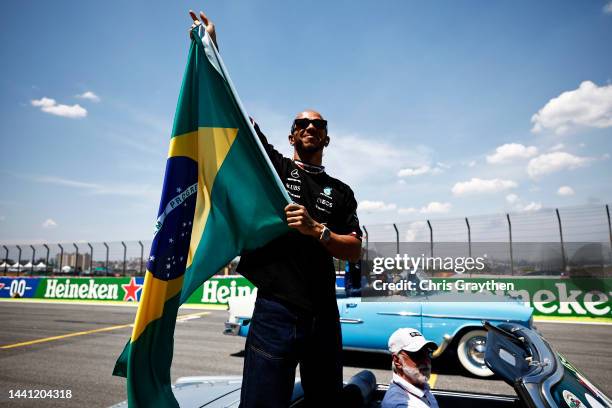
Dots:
{"x": 70, "y": 259}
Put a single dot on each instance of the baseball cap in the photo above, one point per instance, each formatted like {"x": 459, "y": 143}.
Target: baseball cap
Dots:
{"x": 410, "y": 340}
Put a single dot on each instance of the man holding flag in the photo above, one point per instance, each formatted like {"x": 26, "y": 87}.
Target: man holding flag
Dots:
{"x": 222, "y": 196}
{"x": 296, "y": 315}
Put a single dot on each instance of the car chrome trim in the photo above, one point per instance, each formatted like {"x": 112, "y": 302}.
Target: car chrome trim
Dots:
{"x": 445, "y": 342}
{"x": 350, "y": 321}
{"x": 398, "y": 313}
{"x": 480, "y": 318}
{"x": 491, "y": 397}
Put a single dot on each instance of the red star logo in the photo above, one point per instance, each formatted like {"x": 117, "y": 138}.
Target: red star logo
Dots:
{"x": 131, "y": 290}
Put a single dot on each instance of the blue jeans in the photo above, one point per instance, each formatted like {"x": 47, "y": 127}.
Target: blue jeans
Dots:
{"x": 279, "y": 337}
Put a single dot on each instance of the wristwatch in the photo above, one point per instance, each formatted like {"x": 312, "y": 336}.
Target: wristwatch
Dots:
{"x": 325, "y": 235}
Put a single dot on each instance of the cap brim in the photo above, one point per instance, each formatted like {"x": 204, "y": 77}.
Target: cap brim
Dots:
{"x": 429, "y": 344}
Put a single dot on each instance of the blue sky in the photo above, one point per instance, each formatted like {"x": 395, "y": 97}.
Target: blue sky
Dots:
{"x": 436, "y": 109}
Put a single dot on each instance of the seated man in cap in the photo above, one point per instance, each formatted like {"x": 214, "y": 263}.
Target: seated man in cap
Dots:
{"x": 411, "y": 370}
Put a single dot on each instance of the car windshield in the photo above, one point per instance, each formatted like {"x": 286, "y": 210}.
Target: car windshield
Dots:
{"x": 576, "y": 390}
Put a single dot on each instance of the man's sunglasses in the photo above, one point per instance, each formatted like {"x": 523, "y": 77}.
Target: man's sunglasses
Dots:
{"x": 320, "y": 124}
{"x": 419, "y": 355}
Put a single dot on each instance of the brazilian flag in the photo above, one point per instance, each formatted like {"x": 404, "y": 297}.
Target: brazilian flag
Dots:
{"x": 221, "y": 196}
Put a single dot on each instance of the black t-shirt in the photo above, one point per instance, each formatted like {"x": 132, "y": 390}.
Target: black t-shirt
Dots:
{"x": 296, "y": 268}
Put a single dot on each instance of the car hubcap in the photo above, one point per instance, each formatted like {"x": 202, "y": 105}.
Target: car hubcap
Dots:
{"x": 476, "y": 350}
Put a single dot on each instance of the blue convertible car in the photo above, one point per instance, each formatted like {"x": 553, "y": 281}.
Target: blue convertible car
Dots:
{"x": 454, "y": 326}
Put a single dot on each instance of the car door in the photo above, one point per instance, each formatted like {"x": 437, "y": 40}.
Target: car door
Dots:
{"x": 368, "y": 324}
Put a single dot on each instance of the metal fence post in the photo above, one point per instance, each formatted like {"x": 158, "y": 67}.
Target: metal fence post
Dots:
{"x": 469, "y": 231}
{"x": 367, "y": 239}
{"x": 467, "y": 222}
{"x": 90, "y": 257}
{"x": 563, "y": 260}
{"x": 609, "y": 225}
{"x": 33, "y": 256}
{"x": 106, "y": 264}
{"x": 124, "y": 256}
{"x": 396, "y": 239}
{"x": 61, "y": 263}
{"x": 46, "y": 258}
{"x": 510, "y": 241}
{"x": 430, "y": 238}
{"x": 76, "y": 259}
{"x": 5, "y": 259}
{"x": 18, "y": 260}
{"x": 141, "y": 255}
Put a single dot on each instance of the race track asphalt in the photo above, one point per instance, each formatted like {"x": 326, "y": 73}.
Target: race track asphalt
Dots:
{"x": 83, "y": 363}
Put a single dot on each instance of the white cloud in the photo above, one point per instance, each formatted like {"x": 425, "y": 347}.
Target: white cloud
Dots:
{"x": 558, "y": 146}
{"x": 565, "y": 191}
{"x": 472, "y": 163}
{"x": 436, "y": 207}
{"x": 415, "y": 171}
{"x": 519, "y": 205}
{"x": 420, "y": 170}
{"x": 512, "y": 198}
{"x": 608, "y": 8}
{"x": 510, "y": 151}
{"x": 49, "y": 105}
{"x": 478, "y": 185}
{"x": 49, "y": 223}
{"x": 375, "y": 206}
{"x": 531, "y": 207}
{"x": 589, "y": 105}
{"x": 552, "y": 162}
{"x": 406, "y": 210}
{"x": 89, "y": 95}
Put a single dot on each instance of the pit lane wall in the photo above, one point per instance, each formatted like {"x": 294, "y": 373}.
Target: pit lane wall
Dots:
{"x": 577, "y": 297}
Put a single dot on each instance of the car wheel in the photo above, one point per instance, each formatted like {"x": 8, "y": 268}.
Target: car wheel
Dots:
{"x": 471, "y": 351}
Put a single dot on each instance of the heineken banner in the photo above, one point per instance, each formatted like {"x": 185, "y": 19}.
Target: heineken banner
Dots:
{"x": 577, "y": 297}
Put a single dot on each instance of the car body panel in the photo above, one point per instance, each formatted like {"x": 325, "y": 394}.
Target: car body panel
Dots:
{"x": 367, "y": 324}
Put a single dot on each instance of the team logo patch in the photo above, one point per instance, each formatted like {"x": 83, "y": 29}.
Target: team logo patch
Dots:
{"x": 571, "y": 400}
{"x": 327, "y": 190}
{"x": 415, "y": 334}
{"x": 295, "y": 173}
{"x": 1, "y": 285}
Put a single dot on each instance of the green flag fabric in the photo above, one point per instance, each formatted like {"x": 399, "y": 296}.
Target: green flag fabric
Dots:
{"x": 221, "y": 196}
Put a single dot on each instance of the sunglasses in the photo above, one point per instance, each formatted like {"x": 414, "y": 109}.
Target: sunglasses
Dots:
{"x": 320, "y": 124}
{"x": 419, "y": 355}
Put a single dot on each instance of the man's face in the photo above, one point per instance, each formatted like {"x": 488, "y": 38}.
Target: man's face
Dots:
{"x": 415, "y": 367}
{"x": 309, "y": 132}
